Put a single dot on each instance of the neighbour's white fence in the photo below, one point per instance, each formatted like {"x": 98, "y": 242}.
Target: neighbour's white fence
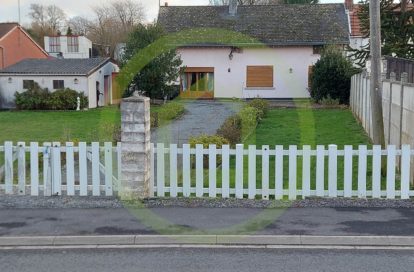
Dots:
{"x": 295, "y": 173}
{"x": 52, "y": 169}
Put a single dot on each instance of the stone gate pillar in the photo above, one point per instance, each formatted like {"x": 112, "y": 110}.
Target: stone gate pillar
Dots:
{"x": 136, "y": 148}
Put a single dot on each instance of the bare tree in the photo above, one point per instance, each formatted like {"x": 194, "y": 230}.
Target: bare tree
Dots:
{"x": 80, "y": 25}
{"x": 56, "y": 17}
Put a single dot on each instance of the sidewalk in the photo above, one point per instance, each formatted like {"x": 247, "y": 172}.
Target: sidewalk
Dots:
{"x": 207, "y": 221}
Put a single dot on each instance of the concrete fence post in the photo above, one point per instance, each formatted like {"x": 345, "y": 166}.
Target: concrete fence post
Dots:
{"x": 135, "y": 148}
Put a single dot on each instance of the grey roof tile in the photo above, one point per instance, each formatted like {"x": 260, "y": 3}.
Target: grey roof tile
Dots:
{"x": 279, "y": 24}
{"x": 56, "y": 66}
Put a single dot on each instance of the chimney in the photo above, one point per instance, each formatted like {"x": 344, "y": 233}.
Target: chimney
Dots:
{"x": 233, "y": 7}
{"x": 349, "y": 4}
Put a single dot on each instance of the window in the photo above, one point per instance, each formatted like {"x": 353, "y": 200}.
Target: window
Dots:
{"x": 58, "y": 84}
{"x": 54, "y": 44}
{"x": 259, "y": 76}
{"x": 198, "y": 79}
{"x": 310, "y": 74}
{"x": 73, "y": 44}
{"x": 28, "y": 84}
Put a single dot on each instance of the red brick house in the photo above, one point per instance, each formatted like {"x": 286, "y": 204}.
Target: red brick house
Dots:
{"x": 16, "y": 45}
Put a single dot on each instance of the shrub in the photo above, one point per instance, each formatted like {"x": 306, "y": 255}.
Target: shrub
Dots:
{"x": 32, "y": 99}
{"x": 329, "y": 101}
{"x": 207, "y": 140}
{"x": 249, "y": 118}
{"x": 170, "y": 111}
{"x": 231, "y": 129}
{"x": 66, "y": 100}
{"x": 332, "y": 76}
{"x": 261, "y": 105}
{"x": 41, "y": 99}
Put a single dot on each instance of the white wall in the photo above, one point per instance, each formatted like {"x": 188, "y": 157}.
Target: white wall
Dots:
{"x": 87, "y": 85}
{"x": 84, "y": 45}
{"x": 358, "y": 42}
{"x": 233, "y": 83}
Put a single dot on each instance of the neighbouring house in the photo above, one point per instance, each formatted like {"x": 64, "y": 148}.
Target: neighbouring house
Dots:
{"x": 89, "y": 76}
{"x": 119, "y": 51}
{"x": 16, "y": 45}
{"x": 68, "y": 47}
{"x": 293, "y": 36}
{"x": 357, "y": 39}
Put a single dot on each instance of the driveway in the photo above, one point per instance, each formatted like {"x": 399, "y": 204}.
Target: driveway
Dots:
{"x": 201, "y": 117}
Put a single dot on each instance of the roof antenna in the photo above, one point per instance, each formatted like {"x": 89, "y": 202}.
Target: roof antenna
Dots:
{"x": 19, "y": 12}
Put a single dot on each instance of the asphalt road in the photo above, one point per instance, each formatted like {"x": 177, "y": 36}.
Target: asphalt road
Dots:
{"x": 176, "y": 259}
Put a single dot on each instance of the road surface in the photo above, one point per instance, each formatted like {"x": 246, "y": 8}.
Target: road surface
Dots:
{"x": 179, "y": 259}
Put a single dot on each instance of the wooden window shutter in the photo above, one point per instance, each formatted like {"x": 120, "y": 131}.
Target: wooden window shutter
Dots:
{"x": 259, "y": 76}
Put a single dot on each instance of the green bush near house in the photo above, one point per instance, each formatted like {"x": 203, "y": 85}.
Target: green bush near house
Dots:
{"x": 37, "y": 98}
{"x": 66, "y": 100}
{"x": 231, "y": 129}
{"x": 261, "y": 105}
{"x": 332, "y": 76}
{"x": 249, "y": 118}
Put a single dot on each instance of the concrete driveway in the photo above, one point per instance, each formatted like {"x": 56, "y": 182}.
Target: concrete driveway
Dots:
{"x": 201, "y": 117}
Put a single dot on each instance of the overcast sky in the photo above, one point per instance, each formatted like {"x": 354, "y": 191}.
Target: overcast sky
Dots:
{"x": 9, "y": 10}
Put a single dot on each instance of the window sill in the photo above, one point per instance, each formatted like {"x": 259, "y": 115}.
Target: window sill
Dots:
{"x": 259, "y": 88}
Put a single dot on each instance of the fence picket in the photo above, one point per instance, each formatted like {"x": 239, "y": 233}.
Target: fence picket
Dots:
{"x": 333, "y": 171}
{"x": 108, "y": 169}
{"x": 56, "y": 170}
{"x": 306, "y": 171}
{"x": 362, "y": 171}
{"x": 70, "y": 169}
{"x": 391, "y": 172}
{"x": 199, "y": 170}
{"x": 405, "y": 171}
{"x": 160, "y": 170}
{"x": 47, "y": 169}
{"x": 83, "y": 170}
{"x": 225, "y": 171}
{"x": 320, "y": 171}
{"x": 21, "y": 167}
{"x": 252, "y": 172}
{"x": 119, "y": 166}
{"x": 186, "y": 170}
{"x": 279, "y": 172}
{"x": 348, "y": 171}
{"x": 96, "y": 181}
{"x": 173, "y": 170}
{"x": 212, "y": 192}
{"x": 265, "y": 172}
{"x": 239, "y": 171}
{"x": 152, "y": 179}
{"x": 292, "y": 172}
{"x": 376, "y": 171}
{"x": 34, "y": 169}
{"x": 8, "y": 164}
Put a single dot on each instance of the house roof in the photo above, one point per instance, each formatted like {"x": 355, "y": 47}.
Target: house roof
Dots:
{"x": 279, "y": 24}
{"x": 56, "y": 66}
{"x": 6, "y": 28}
{"x": 355, "y": 22}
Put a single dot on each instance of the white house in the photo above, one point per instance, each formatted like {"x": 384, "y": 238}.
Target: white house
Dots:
{"x": 92, "y": 76}
{"x": 68, "y": 47}
{"x": 292, "y": 36}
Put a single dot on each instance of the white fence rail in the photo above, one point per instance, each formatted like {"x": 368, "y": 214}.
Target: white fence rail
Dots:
{"x": 281, "y": 173}
{"x": 52, "y": 169}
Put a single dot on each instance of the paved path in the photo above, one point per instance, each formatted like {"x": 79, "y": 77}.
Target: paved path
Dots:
{"x": 201, "y": 117}
{"x": 292, "y": 221}
{"x": 205, "y": 259}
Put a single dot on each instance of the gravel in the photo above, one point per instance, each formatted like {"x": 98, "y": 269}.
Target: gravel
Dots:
{"x": 30, "y": 202}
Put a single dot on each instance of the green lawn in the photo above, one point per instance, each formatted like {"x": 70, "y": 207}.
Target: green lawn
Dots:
{"x": 302, "y": 127}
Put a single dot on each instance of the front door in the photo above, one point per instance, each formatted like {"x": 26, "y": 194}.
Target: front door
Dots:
{"x": 106, "y": 91}
{"x": 197, "y": 82}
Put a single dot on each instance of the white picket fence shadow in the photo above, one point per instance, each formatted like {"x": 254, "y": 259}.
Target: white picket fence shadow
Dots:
{"x": 52, "y": 169}
{"x": 297, "y": 173}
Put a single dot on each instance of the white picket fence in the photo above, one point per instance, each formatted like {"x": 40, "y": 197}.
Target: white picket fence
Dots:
{"x": 53, "y": 169}
{"x": 309, "y": 173}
